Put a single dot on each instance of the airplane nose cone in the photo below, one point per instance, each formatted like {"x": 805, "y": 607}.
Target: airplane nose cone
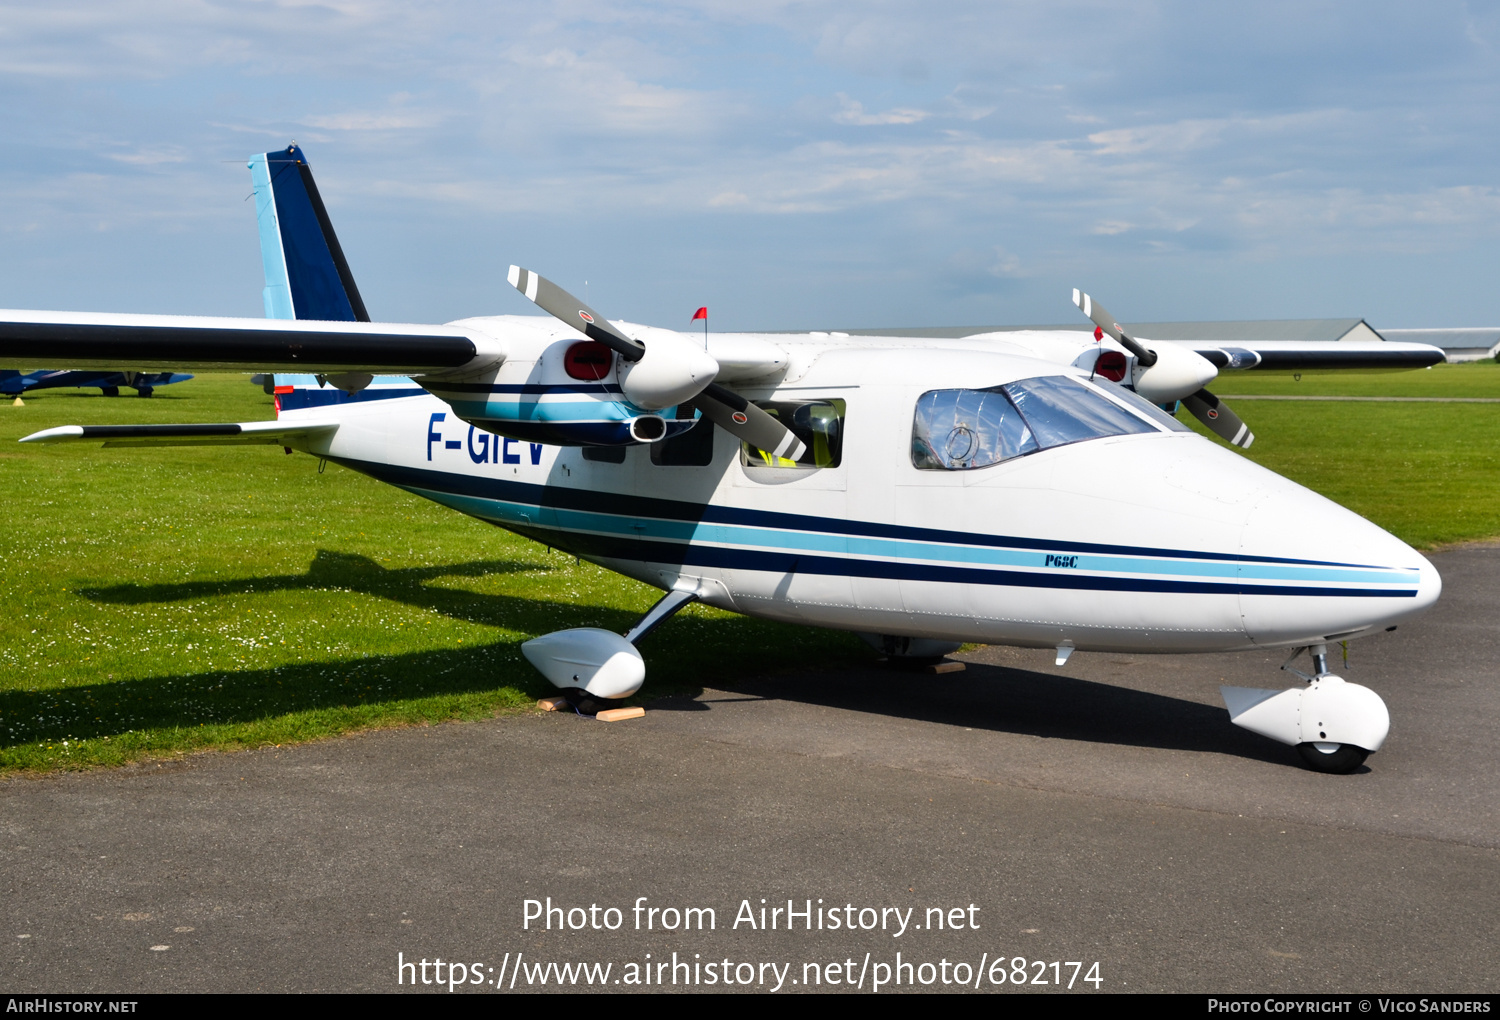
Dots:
{"x": 1313, "y": 571}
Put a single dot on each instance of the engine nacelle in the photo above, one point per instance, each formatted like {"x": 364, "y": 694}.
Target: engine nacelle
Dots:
{"x": 590, "y": 658}
{"x": 1178, "y": 373}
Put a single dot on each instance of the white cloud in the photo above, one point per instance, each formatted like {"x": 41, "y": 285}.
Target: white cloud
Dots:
{"x": 851, "y": 112}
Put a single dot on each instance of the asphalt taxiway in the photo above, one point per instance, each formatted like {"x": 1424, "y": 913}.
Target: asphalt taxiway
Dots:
{"x": 1104, "y": 811}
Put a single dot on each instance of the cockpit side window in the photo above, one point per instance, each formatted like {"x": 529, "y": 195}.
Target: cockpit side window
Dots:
{"x": 818, "y": 423}
{"x": 957, "y": 430}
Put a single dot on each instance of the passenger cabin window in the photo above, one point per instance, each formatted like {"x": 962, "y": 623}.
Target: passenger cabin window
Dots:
{"x": 818, "y": 423}
{"x": 957, "y": 430}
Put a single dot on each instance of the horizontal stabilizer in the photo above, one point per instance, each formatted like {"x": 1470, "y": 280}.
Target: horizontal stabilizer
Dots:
{"x": 255, "y": 433}
{"x": 173, "y": 342}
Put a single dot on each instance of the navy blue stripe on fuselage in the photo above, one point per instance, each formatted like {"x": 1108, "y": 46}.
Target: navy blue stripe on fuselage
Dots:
{"x": 624, "y": 505}
{"x": 302, "y": 396}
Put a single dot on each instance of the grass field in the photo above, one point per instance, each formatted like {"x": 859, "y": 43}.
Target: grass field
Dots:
{"x": 1427, "y": 472}
{"x": 160, "y": 602}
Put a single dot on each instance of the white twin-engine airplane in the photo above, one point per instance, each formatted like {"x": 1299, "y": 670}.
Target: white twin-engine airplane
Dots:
{"x": 1012, "y": 488}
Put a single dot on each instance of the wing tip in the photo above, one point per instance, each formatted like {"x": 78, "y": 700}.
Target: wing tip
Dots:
{"x": 60, "y": 434}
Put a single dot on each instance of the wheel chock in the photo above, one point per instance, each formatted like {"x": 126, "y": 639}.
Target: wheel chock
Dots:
{"x": 620, "y": 714}
{"x": 946, "y": 666}
{"x": 553, "y": 704}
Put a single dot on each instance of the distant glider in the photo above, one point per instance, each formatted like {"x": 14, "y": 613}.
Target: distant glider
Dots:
{"x": 13, "y": 383}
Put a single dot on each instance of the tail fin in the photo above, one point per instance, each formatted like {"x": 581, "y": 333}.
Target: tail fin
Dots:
{"x": 306, "y": 274}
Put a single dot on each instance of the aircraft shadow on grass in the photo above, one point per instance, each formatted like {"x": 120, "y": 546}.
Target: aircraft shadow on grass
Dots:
{"x": 995, "y": 698}
{"x": 351, "y": 572}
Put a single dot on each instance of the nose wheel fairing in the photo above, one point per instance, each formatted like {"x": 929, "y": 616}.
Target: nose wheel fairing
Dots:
{"x": 1329, "y": 710}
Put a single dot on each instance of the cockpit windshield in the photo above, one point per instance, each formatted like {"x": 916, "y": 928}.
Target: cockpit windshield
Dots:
{"x": 956, "y": 430}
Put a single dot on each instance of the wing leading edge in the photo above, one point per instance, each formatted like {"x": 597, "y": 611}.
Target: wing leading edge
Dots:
{"x": 171, "y": 342}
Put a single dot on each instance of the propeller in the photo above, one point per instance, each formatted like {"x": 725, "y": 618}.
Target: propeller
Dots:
{"x": 551, "y": 298}
{"x": 1223, "y": 422}
{"x": 671, "y": 371}
{"x": 737, "y": 416}
{"x": 1095, "y": 311}
{"x": 1182, "y": 377}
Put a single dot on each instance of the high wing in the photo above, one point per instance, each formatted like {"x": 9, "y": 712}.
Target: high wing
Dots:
{"x": 171, "y": 342}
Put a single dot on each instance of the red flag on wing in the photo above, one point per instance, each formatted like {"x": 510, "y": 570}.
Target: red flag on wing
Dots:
{"x": 701, "y": 313}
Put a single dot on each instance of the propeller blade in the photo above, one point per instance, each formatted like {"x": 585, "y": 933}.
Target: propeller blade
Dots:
{"x": 743, "y": 420}
{"x": 553, "y": 299}
{"x": 1223, "y": 422}
{"x": 1095, "y": 311}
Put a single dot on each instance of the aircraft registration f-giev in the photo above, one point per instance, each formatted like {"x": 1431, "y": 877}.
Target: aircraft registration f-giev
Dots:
{"x": 1018, "y": 488}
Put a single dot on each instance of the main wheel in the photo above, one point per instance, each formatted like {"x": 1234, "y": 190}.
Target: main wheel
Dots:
{"x": 1340, "y": 759}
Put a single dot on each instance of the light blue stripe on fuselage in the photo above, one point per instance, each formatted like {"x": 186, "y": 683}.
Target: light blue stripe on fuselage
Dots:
{"x": 545, "y": 410}
{"x": 863, "y": 547}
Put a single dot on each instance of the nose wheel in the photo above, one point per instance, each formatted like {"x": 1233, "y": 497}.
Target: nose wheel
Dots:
{"x": 1336, "y": 759}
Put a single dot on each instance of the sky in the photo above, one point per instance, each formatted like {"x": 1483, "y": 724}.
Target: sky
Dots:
{"x": 788, "y": 164}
